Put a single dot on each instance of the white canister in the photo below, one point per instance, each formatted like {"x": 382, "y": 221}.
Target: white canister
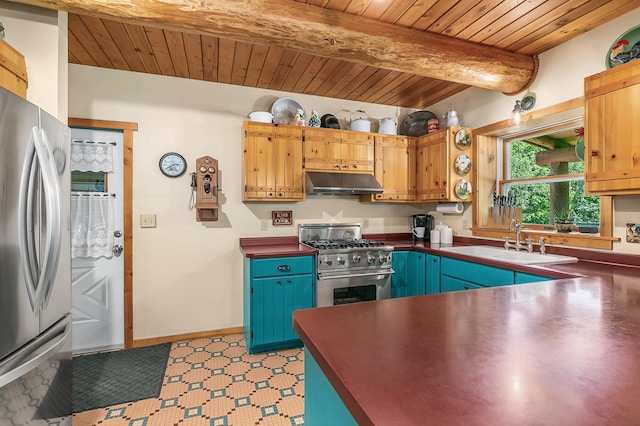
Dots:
{"x": 435, "y": 236}
{"x": 388, "y": 126}
{"x": 446, "y": 236}
{"x": 360, "y": 124}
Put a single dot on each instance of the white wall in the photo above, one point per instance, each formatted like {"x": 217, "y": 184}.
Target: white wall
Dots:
{"x": 40, "y": 35}
{"x": 560, "y": 78}
{"x": 188, "y": 275}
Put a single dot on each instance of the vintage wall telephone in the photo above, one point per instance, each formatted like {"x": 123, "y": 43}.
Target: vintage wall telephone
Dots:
{"x": 204, "y": 182}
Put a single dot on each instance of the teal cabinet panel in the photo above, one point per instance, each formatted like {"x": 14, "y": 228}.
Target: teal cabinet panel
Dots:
{"x": 281, "y": 266}
{"x": 409, "y": 274}
{"x": 322, "y": 404}
{"x": 273, "y": 303}
{"x": 269, "y": 302}
{"x": 399, "y": 280}
{"x": 484, "y": 275}
{"x": 523, "y": 278}
{"x": 455, "y": 284}
{"x": 432, "y": 285}
{"x": 416, "y": 276}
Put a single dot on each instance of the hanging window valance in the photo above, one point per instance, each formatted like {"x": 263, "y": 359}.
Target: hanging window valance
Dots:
{"x": 91, "y": 156}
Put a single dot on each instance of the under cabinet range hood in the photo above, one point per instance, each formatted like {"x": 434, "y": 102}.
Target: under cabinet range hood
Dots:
{"x": 342, "y": 183}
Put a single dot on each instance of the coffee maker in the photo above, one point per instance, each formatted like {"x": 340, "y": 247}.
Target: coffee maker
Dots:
{"x": 421, "y": 226}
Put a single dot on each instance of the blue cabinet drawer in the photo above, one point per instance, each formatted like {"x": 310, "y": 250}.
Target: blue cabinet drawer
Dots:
{"x": 476, "y": 273}
{"x": 454, "y": 284}
{"x": 281, "y": 266}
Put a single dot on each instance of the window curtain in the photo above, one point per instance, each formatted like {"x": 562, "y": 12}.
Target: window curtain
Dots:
{"x": 92, "y": 225}
{"x": 90, "y": 156}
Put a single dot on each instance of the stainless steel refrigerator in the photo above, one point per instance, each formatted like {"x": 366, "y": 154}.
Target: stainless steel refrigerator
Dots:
{"x": 35, "y": 266}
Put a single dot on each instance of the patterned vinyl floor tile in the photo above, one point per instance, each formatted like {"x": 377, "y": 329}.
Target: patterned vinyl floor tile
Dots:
{"x": 215, "y": 382}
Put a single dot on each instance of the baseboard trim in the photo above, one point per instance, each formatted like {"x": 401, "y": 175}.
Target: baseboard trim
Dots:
{"x": 187, "y": 336}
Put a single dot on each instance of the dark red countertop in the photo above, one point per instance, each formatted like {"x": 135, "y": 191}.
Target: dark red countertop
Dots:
{"x": 563, "y": 352}
{"x": 273, "y": 247}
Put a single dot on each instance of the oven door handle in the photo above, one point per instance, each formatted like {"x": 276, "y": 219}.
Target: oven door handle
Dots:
{"x": 366, "y": 274}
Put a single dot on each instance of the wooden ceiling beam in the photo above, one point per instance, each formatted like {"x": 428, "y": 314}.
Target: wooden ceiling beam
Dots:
{"x": 323, "y": 32}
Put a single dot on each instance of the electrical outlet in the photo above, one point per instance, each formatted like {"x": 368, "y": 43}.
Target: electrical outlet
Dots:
{"x": 365, "y": 223}
{"x": 264, "y": 224}
{"x": 465, "y": 224}
{"x": 147, "y": 221}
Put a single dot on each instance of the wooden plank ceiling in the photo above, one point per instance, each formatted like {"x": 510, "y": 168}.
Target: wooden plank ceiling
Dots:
{"x": 527, "y": 27}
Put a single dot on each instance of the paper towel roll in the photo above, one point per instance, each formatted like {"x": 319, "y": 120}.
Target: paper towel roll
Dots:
{"x": 455, "y": 208}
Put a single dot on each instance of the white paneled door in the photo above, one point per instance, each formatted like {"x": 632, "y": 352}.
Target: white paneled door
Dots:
{"x": 98, "y": 283}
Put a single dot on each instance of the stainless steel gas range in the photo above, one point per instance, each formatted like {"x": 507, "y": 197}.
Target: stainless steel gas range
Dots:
{"x": 349, "y": 268}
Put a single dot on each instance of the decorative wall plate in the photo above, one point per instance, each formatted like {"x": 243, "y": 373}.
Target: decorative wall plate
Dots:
{"x": 463, "y": 189}
{"x": 626, "y": 48}
{"x": 463, "y": 139}
{"x": 462, "y": 164}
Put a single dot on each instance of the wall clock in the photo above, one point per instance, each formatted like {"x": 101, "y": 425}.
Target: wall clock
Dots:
{"x": 173, "y": 164}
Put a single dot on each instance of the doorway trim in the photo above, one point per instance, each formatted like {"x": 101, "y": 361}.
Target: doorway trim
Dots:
{"x": 127, "y": 128}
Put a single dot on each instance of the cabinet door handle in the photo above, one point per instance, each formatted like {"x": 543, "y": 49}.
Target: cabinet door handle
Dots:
{"x": 466, "y": 287}
{"x": 284, "y": 268}
{"x": 279, "y": 282}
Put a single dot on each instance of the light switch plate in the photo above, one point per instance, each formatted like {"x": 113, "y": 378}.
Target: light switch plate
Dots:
{"x": 147, "y": 220}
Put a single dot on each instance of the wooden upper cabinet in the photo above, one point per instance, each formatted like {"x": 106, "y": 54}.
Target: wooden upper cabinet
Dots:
{"x": 13, "y": 70}
{"x": 272, "y": 162}
{"x": 357, "y": 152}
{"x": 612, "y": 134}
{"x": 322, "y": 149}
{"x": 338, "y": 150}
{"x": 444, "y": 161}
{"x": 395, "y": 168}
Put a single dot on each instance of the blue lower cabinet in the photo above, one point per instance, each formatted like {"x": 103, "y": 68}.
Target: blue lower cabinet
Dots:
{"x": 269, "y": 302}
{"x": 399, "y": 280}
{"x": 409, "y": 277}
{"x": 322, "y": 405}
{"x": 455, "y": 284}
{"x": 416, "y": 276}
{"x": 432, "y": 285}
{"x": 475, "y": 273}
{"x": 524, "y": 278}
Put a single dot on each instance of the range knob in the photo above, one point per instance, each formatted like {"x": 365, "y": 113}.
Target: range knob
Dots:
{"x": 370, "y": 258}
{"x": 328, "y": 262}
{"x": 383, "y": 258}
{"x": 340, "y": 261}
{"x": 356, "y": 258}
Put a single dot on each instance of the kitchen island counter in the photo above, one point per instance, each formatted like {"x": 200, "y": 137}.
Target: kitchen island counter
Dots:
{"x": 557, "y": 352}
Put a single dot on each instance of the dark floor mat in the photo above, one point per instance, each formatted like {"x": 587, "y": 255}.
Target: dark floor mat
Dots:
{"x": 112, "y": 378}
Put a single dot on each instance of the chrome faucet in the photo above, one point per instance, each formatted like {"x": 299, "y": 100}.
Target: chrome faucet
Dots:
{"x": 517, "y": 245}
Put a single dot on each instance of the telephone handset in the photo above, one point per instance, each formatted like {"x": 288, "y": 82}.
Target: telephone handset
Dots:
{"x": 205, "y": 184}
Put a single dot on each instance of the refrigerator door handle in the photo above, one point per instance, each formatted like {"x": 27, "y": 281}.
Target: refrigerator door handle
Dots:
{"x": 35, "y": 352}
{"x": 51, "y": 188}
{"x": 26, "y": 216}
{"x": 39, "y": 278}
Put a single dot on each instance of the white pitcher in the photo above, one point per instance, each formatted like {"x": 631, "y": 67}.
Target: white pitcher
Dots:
{"x": 388, "y": 126}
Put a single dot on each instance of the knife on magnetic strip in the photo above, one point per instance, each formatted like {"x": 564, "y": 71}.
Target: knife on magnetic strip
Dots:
{"x": 494, "y": 206}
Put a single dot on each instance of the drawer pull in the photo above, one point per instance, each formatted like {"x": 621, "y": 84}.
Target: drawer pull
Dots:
{"x": 284, "y": 268}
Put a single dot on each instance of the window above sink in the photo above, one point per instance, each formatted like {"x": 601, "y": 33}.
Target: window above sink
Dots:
{"x": 492, "y": 177}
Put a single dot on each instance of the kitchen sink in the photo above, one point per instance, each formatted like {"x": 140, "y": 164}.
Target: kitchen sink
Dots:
{"x": 509, "y": 256}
